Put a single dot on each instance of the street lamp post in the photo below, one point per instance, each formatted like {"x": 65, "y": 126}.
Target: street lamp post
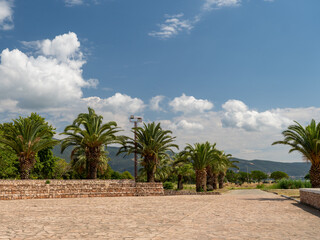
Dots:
{"x": 135, "y": 120}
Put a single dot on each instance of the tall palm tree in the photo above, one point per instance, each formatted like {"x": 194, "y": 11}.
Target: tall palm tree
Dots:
{"x": 89, "y": 134}
{"x": 200, "y": 155}
{"x": 305, "y": 140}
{"x": 152, "y": 144}
{"x": 26, "y": 138}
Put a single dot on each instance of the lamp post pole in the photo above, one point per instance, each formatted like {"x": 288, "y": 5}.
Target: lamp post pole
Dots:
{"x": 135, "y": 120}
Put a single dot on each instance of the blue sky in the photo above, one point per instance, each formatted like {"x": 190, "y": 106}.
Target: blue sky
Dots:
{"x": 235, "y": 72}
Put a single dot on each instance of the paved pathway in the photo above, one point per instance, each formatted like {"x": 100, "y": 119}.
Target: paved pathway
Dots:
{"x": 246, "y": 214}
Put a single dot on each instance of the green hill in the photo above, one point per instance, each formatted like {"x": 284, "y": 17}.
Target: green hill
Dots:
{"x": 121, "y": 163}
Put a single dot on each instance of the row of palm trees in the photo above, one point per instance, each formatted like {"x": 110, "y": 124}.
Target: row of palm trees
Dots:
{"x": 89, "y": 137}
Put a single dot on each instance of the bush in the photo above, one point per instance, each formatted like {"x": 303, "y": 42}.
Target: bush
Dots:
{"x": 260, "y": 186}
{"x": 292, "y": 184}
{"x": 168, "y": 185}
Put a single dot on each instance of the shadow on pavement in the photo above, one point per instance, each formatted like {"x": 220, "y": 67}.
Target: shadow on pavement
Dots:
{"x": 308, "y": 209}
{"x": 268, "y": 199}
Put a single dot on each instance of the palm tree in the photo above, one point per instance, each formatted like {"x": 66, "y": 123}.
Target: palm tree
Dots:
{"x": 163, "y": 170}
{"x": 79, "y": 162}
{"x": 226, "y": 163}
{"x": 26, "y": 138}
{"x": 181, "y": 169}
{"x": 90, "y": 135}
{"x": 152, "y": 144}
{"x": 305, "y": 140}
{"x": 200, "y": 157}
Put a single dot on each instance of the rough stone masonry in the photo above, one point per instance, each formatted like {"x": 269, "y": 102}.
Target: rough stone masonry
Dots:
{"x": 32, "y": 189}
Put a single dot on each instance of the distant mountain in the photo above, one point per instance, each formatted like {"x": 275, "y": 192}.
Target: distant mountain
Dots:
{"x": 121, "y": 163}
{"x": 297, "y": 170}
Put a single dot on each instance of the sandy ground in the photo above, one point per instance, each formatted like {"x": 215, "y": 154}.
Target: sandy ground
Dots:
{"x": 240, "y": 214}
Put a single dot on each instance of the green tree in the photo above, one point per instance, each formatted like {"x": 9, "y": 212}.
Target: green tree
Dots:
{"x": 244, "y": 177}
{"x": 61, "y": 169}
{"x": 277, "y": 175}
{"x": 200, "y": 155}
{"x": 89, "y": 135}
{"x": 126, "y": 175}
{"x": 258, "y": 176}
{"x": 232, "y": 176}
{"x": 305, "y": 140}
{"x": 152, "y": 144}
{"x": 26, "y": 137}
{"x": 9, "y": 164}
{"x": 307, "y": 176}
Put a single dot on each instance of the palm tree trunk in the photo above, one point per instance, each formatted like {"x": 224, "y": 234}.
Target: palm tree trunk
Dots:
{"x": 92, "y": 155}
{"x": 25, "y": 166}
{"x": 180, "y": 182}
{"x": 211, "y": 185}
{"x": 215, "y": 181}
{"x": 150, "y": 176}
{"x": 221, "y": 179}
{"x": 201, "y": 180}
{"x": 315, "y": 175}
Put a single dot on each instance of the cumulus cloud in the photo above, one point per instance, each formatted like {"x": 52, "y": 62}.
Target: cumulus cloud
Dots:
{"x": 172, "y": 26}
{"x": 238, "y": 115}
{"x": 155, "y": 103}
{"x": 214, "y": 4}
{"x": 51, "y": 79}
{"x": 71, "y": 3}
{"x": 118, "y": 103}
{"x": 186, "y": 125}
{"x": 189, "y": 104}
{"x": 6, "y": 14}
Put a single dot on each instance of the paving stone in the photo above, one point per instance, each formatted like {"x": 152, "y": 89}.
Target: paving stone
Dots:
{"x": 239, "y": 215}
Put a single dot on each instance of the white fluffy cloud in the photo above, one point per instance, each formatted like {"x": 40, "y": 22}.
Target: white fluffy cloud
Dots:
{"x": 173, "y": 25}
{"x": 186, "y": 125}
{"x": 118, "y": 103}
{"x": 51, "y": 79}
{"x": 155, "y": 103}
{"x": 212, "y": 4}
{"x": 71, "y": 3}
{"x": 6, "y": 14}
{"x": 189, "y": 104}
{"x": 238, "y": 115}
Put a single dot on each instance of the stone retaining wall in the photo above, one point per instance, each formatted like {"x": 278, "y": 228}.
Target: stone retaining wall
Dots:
{"x": 30, "y": 189}
{"x": 310, "y": 196}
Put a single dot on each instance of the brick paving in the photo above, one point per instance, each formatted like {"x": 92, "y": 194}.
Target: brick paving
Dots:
{"x": 248, "y": 214}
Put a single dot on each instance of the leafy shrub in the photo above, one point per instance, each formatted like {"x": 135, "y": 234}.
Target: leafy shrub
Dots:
{"x": 168, "y": 185}
{"x": 292, "y": 184}
{"x": 260, "y": 186}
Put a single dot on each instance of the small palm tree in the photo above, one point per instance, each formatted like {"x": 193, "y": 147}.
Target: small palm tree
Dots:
{"x": 305, "y": 140}
{"x": 152, "y": 144}
{"x": 26, "y": 138}
{"x": 90, "y": 135}
{"x": 226, "y": 163}
{"x": 181, "y": 169}
{"x": 200, "y": 155}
